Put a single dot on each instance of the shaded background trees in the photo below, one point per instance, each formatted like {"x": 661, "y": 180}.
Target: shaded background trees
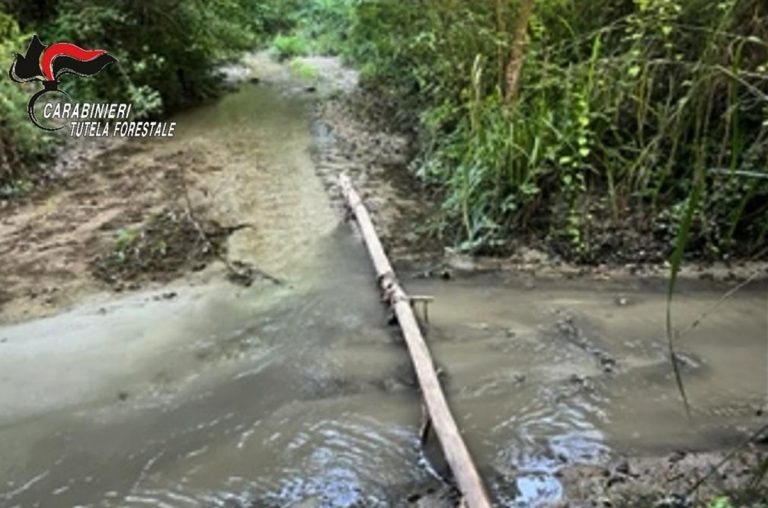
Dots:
{"x": 166, "y": 51}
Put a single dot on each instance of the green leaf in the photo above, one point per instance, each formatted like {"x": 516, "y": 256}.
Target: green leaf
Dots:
{"x": 676, "y": 262}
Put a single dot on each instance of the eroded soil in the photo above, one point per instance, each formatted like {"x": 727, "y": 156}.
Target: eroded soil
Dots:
{"x": 119, "y": 221}
{"x": 355, "y": 140}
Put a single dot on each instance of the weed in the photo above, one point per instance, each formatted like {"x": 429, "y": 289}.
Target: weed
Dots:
{"x": 290, "y": 46}
{"x": 303, "y": 70}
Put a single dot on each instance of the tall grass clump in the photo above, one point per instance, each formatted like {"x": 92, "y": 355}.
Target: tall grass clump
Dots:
{"x": 313, "y": 26}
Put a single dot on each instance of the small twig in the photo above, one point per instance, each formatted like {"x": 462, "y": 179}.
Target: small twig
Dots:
{"x": 192, "y": 219}
{"x": 236, "y": 273}
{"x": 724, "y": 298}
{"x": 704, "y": 315}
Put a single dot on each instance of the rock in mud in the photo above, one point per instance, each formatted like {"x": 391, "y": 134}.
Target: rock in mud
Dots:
{"x": 567, "y": 329}
{"x": 445, "y": 497}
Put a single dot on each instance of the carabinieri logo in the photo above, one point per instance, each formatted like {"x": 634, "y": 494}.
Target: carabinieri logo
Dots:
{"x": 47, "y": 64}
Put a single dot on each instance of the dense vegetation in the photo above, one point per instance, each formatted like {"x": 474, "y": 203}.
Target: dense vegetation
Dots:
{"x": 599, "y": 126}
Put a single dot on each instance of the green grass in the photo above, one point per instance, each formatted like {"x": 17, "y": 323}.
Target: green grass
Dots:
{"x": 290, "y": 46}
{"x": 303, "y": 70}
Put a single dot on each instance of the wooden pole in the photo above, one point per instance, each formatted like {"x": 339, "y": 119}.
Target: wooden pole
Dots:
{"x": 456, "y": 453}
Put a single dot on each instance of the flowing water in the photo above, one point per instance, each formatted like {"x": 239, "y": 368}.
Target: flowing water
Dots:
{"x": 301, "y": 395}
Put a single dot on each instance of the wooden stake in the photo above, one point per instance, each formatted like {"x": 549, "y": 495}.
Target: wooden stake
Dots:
{"x": 443, "y": 423}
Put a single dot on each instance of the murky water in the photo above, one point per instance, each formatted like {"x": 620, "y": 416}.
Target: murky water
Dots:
{"x": 569, "y": 372}
{"x": 300, "y": 395}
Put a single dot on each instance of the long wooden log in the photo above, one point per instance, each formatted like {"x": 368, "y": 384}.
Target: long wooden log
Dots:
{"x": 456, "y": 452}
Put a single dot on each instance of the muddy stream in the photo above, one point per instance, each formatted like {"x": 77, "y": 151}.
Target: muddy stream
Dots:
{"x": 301, "y": 395}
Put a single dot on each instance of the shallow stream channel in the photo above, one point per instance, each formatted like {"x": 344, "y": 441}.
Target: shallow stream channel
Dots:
{"x": 301, "y": 394}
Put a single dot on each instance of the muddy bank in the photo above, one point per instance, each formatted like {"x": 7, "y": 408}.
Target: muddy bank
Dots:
{"x": 680, "y": 479}
{"x": 364, "y": 141}
{"x": 119, "y": 221}
{"x": 115, "y": 215}
{"x": 354, "y": 139}
{"x": 68, "y": 238}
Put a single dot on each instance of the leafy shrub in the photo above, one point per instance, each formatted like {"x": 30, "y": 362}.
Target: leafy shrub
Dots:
{"x": 21, "y": 143}
{"x": 303, "y": 70}
{"x": 315, "y": 26}
{"x": 624, "y": 110}
{"x": 166, "y": 49}
{"x": 290, "y": 46}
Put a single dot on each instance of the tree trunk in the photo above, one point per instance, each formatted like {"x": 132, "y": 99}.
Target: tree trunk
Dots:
{"x": 519, "y": 45}
{"x": 501, "y": 34}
